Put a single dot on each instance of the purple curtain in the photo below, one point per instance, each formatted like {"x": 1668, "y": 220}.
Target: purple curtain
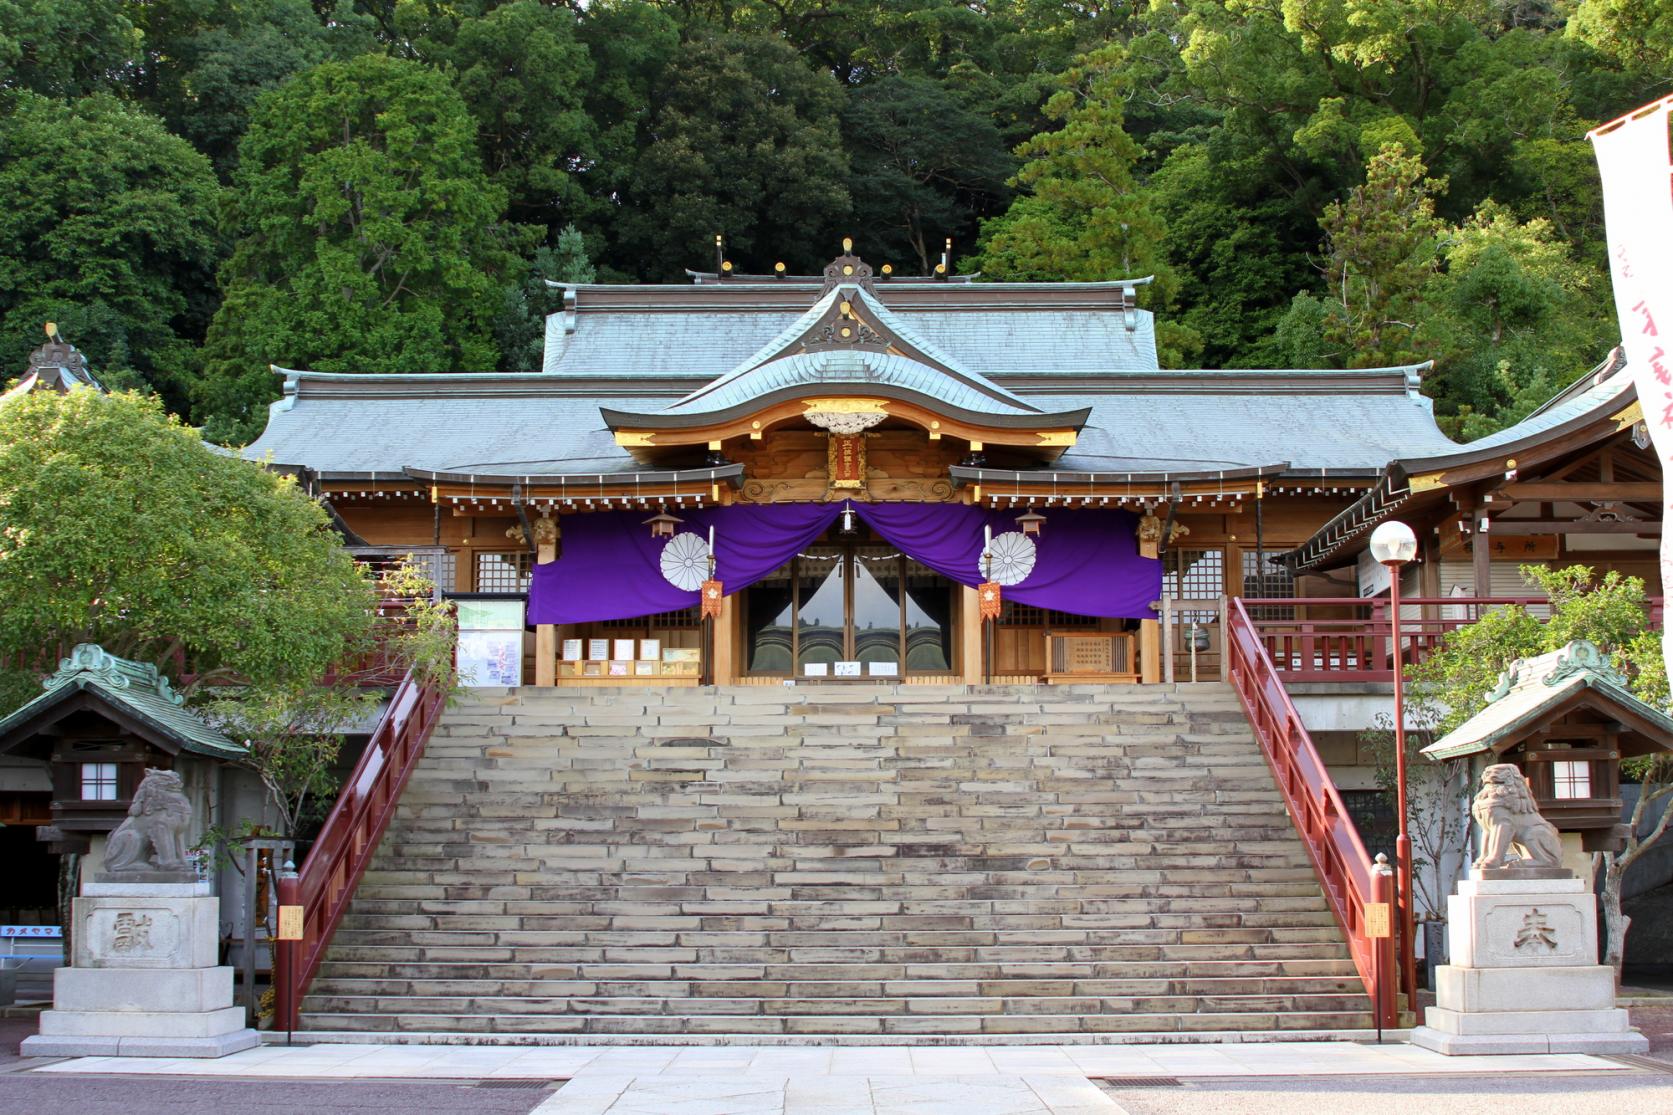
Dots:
{"x": 1088, "y": 561}
{"x": 611, "y": 568}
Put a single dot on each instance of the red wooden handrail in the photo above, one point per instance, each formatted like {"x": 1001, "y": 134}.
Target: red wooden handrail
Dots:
{"x": 1354, "y": 642}
{"x": 325, "y": 885}
{"x": 1349, "y": 879}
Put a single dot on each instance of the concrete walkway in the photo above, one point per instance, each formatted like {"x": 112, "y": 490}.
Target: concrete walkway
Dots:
{"x": 896, "y": 1080}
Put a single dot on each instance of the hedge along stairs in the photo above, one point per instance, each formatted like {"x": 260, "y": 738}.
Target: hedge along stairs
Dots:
{"x": 862, "y": 864}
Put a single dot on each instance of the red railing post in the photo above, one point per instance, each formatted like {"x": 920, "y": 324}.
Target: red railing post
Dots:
{"x": 285, "y": 997}
{"x": 1385, "y": 981}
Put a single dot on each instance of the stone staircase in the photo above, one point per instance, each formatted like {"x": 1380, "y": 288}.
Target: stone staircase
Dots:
{"x": 841, "y": 863}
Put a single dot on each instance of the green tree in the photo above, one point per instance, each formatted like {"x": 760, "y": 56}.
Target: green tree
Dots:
{"x": 925, "y": 167}
{"x": 369, "y": 238}
{"x": 203, "y": 63}
{"x": 1637, "y": 33}
{"x": 522, "y": 326}
{"x": 523, "y": 74}
{"x": 1382, "y": 245}
{"x": 741, "y": 139}
{"x": 295, "y": 732}
{"x": 1084, "y": 216}
{"x": 1611, "y": 612}
{"x": 118, "y": 526}
{"x": 1513, "y": 319}
{"x": 109, "y": 230}
{"x": 65, "y": 48}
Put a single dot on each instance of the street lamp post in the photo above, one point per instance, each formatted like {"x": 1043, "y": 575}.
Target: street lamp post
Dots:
{"x": 1393, "y": 544}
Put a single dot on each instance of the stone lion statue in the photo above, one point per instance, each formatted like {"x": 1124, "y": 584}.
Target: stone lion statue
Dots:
{"x": 154, "y": 834}
{"x": 1511, "y": 824}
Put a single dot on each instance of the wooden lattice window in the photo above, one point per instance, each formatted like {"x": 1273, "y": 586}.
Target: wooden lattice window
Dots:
{"x": 504, "y": 571}
{"x": 685, "y": 617}
{"x": 1013, "y": 614}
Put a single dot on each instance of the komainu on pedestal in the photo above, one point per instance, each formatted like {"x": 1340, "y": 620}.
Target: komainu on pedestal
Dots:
{"x": 1524, "y": 976}
{"x": 145, "y": 981}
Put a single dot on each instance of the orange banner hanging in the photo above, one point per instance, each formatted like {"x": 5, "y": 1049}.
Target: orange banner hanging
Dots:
{"x": 713, "y": 594}
{"x": 988, "y": 599}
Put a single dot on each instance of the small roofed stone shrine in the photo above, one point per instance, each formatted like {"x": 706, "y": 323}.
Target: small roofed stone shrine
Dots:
{"x": 101, "y": 722}
{"x": 1566, "y": 719}
{"x": 843, "y": 459}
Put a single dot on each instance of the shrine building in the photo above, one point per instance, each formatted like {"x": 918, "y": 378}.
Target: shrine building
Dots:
{"x": 852, "y": 444}
{"x": 764, "y": 585}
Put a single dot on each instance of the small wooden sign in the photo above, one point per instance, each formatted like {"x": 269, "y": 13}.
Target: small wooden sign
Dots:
{"x": 1088, "y": 656}
{"x": 1379, "y": 920}
{"x": 846, "y": 461}
{"x": 290, "y": 923}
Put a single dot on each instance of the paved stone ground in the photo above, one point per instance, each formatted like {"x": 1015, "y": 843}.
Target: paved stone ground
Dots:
{"x": 1634, "y": 1093}
{"x": 1255, "y": 1079}
{"x": 1656, "y": 1023}
{"x": 107, "y": 1095}
{"x": 897, "y": 1080}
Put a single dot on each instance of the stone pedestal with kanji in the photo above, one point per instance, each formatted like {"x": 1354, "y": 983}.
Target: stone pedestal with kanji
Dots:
{"x": 145, "y": 980}
{"x": 1524, "y": 976}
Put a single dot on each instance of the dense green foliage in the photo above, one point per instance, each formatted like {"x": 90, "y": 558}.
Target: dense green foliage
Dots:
{"x": 1313, "y": 182}
{"x": 1611, "y": 613}
{"x": 109, "y": 230}
{"x": 118, "y": 526}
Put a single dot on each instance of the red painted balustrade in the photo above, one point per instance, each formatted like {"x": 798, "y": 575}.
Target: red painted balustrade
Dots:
{"x": 1360, "y": 893}
{"x": 1348, "y": 640}
{"x": 326, "y": 882}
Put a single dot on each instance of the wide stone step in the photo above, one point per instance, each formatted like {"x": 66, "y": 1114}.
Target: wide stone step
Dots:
{"x": 596, "y": 952}
{"x": 892, "y": 863}
{"x": 1172, "y": 970}
{"x": 812, "y": 1028}
{"x": 1207, "y": 987}
{"x": 883, "y": 1006}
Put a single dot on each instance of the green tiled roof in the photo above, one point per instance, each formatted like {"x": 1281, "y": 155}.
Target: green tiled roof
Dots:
{"x": 138, "y": 689}
{"x": 1530, "y": 688}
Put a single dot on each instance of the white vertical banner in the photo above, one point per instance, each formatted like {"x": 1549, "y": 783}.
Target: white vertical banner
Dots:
{"x": 1632, "y": 155}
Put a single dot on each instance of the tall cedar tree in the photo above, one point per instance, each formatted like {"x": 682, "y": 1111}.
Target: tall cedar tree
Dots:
{"x": 109, "y": 230}
{"x": 741, "y": 139}
{"x": 369, "y": 239}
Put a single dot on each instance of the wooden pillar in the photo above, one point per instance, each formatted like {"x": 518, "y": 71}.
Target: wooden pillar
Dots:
{"x": 546, "y": 634}
{"x": 1150, "y": 631}
{"x": 1150, "y": 651}
{"x": 725, "y": 670}
{"x": 1481, "y": 556}
{"x": 970, "y": 635}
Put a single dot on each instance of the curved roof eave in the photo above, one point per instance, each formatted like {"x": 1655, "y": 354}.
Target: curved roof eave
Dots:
{"x": 962, "y": 474}
{"x": 617, "y": 419}
{"x": 731, "y": 474}
{"x": 1590, "y": 406}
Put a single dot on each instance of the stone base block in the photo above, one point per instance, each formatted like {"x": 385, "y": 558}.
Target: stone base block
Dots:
{"x": 1522, "y": 924}
{"x": 147, "y": 931}
{"x": 1502, "y": 1022}
{"x": 190, "y": 990}
{"x": 141, "y": 1023}
{"x": 1426, "y": 1037}
{"x": 43, "y": 1045}
{"x": 1583, "y": 987}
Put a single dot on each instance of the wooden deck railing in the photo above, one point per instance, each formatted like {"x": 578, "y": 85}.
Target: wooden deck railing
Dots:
{"x": 1353, "y": 885}
{"x": 1312, "y": 639}
{"x": 326, "y": 883}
